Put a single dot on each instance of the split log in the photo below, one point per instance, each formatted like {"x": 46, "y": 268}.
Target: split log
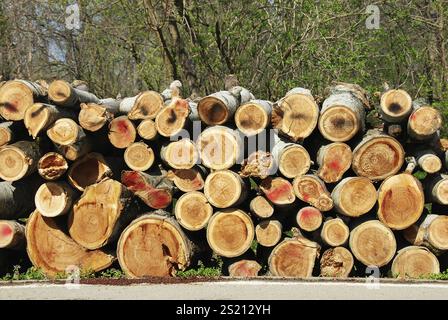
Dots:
{"x": 145, "y": 105}
{"x": 172, "y": 119}
{"x": 122, "y": 132}
{"x": 309, "y": 219}
{"x": 187, "y": 180}
{"x": 401, "y": 201}
{"x": 100, "y": 214}
{"x": 64, "y": 94}
{"x": 17, "y": 198}
{"x": 336, "y": 263}
{"x": 377, "y": 156}
{"x": 65, "y": 132}
{"x": 395, "y": 105}
{"x": 139, "y": 156}
{"x": 54, "y": 199}
{"x": 261, "y": 207}
{"x": 259, "y": 164}
{"x": 244, "y": 268}
{"x": 154, "y": 190}
{"x": 224, "y": 189}
{"x": 354, "y": 196}
{"x": 278, "y": 190}
{"x": 431, "y": 232}
{"x": 268, "y": 232}
{"x": 424, "y": 122}
{"x": 76, "y": 150}
{"x": 147, "y": 129}
{"x": 40, "y": 116}
{"x": 415, "y": 262}
{"x": 93, "y": 117}
{"x": 334, "y": 160}
{"x": 181, "y": 154}
{"x": 291, "y": 159}
{"x": 19, "y": 160}
{"x": 312, "y": 190}
{"x": 154, "y": 245}
{"x": 52, "y": 166}
{"x": 88, "y": 170}
{"x": 293, "y": 258}
{"x": 52, "y": 251}
{"x": 334, "y": 232}
{"x": 373, "y": 243}
{"x": 295, "y": 115}
{"x": 342, "y": 115}
{"x": 12, "y": 235}
{"x": 230, "y": 232}
{"x": 253, "y": 117}
{"x": 436, "y": 189}
{"x": 193, "y": 211}
{"x": 428, "y": 161}
{"x": 18, "y": 95}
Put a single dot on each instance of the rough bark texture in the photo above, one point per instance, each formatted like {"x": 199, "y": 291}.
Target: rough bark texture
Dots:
{"x": 63, "y": 94}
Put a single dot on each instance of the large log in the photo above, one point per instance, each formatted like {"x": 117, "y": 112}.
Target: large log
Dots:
{"x": 334, "y": 160}
{"x": 424, "y": 122}
{"x": 40, "y": 116}
{"x": 145, "y": 105}
{"x": 53, "y": 199}
{"x": 354, "y": 196}
{"x": 193, "y": 211}
{"x": 334, "y": 232}
{"x": 173, "y": 118}
{"x": 189, "y": 179}
{"x": 64, "y": 94}
{"x": 278, "y": 190}
{"x": 90, "y": 169}
{"x": 252, "y": 117}
{"x": 17, "y": 198}
{"x": 52, "y": 166}
{"x": 52, "y": 251}
{"x": 224, "y": 189}
{"x": 431, "y": 232}
{"x": 181, "y": 154}
{"x": 122, "y": 132}
{"x": 12, "y": 235}
{"x": 336, "y": 263}
{"x": 139, "y": 156}
{"x": 65, "y": 132}
{"x": 19, "y": 160}
{"x": 268, "y": 232}
{"x": 261, "y": 207}
{"x": 311, "y": 189}
{"x": 244, "y": 268}
{"x": 291, "y": 159}
{"x": 414, "y": 262}
{"x": 395, "y": 105}
{"x": 309, "y": 219}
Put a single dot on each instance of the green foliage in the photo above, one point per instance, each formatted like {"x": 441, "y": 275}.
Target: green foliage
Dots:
{"x": 32, "y": 273}
{"x": 112, "y": 273}
{"x": 201, "y": 271}
{"x": 437, "y": 276}
{"x": 420, "y": 175}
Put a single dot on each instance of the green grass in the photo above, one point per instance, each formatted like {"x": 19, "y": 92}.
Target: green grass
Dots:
{"x": 437, "y": 276}
{"x": 201, "y": 271}
{"x": 32, "y": 273}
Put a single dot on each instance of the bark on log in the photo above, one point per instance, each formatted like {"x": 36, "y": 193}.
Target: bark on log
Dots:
{"x": 401, "y": 201}
{"x": 162, "y": 247}
{"x": 65, "y": 132}
{"x": 19, "y": 160}
{"x": 52, "y": 251}
{"x": 268, "y": 232}
{"x": 261, "y": 207}
{"x": 181, "y": 154}
{"x": 122, "y": 132}
{"x": 52, "y": 166}
{"x": 230, "y": 232}
{"x": 309, "y": 219}
{"x": 193, "y": 211}
{"x": 93, "y": 117}
{"x": 259, "y": 164}
{"x": 172, "y": 119}
{"x": 224, "y": 189}
{"x": 244, "y": 269}
{"x": 395, "y": 105}
{"x": 145, "y": 105}
{"x": 312, "y": 190}
{"x": 424, "y": 122}
{"x": 253, "y": 117}
{"x": 17, "y": 198}
{"x": 428, "y": 161}
{"x": 147, "y": 129}
{"x": 139, "y": 156}
{"x": 354, "y": 196}
{"x": 334, "y": 232}
{"x": 373, "y": 243}
{"x": 12, "y": 235}
{"x": 278, "y": 190}
{"x": 40, "y": 116}
{"x": 334, "y": 160}
{"x": 432, "y": 233}
{"x": 291, "y": 159}
{"x": 88, "y": 170}
{"x": 16, "y": 96}
{"x": 436, "y": 189}
{"x": 336, "y": 263}
{"x": 189, "y": 179}
{"x": 295, "y": 115}
{"x": 54, "y": 199}
{"x": 414, "y": 262}
{"x": 64, "y": 94}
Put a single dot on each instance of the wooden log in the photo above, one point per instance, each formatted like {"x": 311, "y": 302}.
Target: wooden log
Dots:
{"x": 430, "y": 232}
{"x": 253, "y": 117}
{"x": 377, "y": 156}
{"x": 93, "y": 117}
{"x": 145, "y": 105}
{"x": 76, "y": 150}
{"x": 244, "y": 269}
{"x": 436, "y": 189}
{"x": 224, "y": 189}
{"x": 424, "y": 122}
{"x": 293, "y": 258}
{"x": 122, "y": 132}
{"x": 193, "y": 211}
{"x": 336, "y": 263}
{"x": 54, "y": 199}
{"x": 52, "y": 166}
{"x": 414, "y": 262}
{"x": 52, "y": 251}
{"x": 6, "y": 133}
{"x": 100, "y": 214}
{"x": 309, "y": 219}
{"x": 19, "y": 160}
{"x": 173, "y": 118}
{"x": 259, "y": 164}
{"x": 154, "y": 190}
{"x": 401, "y": 201}
{"x": 292, "y": 159}
{"x": 181, "y": 154}
{"x": 219, "y": 147}
{"x": 277, "y": 190}
{"x": 139, "y": 156}
{"x": 65, "y": 132}
{"x": 40, "y": 116}
{"x": 311, "y": 189}
{"x": 428, "y": 161}
{"x": 147, "y": 129}
{"x": 64, "y": 94}
{"x": 88, "y": 170}
{"x": 334, "y": 232}
{"x": 373, "y": 243}
{"x": 16, "y": 96}
{"x": 187, "y": 180}
{"x": 334, "y": 160}
{"x": 395, "y": 105}
{"x": 268, "y": 232}
{"x": 12, "y": 235}
{"x": 342, "y": 115}
{"x": 17, "y": 198}
{"x": 230, "y": 232}
{"x": 354, "y": 196}
{"x": 261, "y": 207}
{"x": 162, "y": 247}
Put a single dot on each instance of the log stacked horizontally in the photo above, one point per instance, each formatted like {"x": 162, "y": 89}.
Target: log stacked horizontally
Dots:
{"x": 303, "y": 186}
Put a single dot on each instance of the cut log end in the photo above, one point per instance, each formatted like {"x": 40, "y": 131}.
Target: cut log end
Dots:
{"x": 15, "y": 98}
{"x": 312, "y": 190}
{"x": 244, "y": 269}
{"x": 224, "y": 189}
{"x": 146, "y": 106}
{"x": 258, "y": 164}
{"x": 438, "y": 233}
{"x": 173, "y": 118}
{"x": 430, "y": 163}
{"x": 147, "y": 129}
{"x": 12, "y": 235}
{"x": 60, "y": 92}
{"x": 335, "y": 232}
{"x": 188, "y": 179}
{"x": 122, "y": 132}
{"x": 278, "y": 190}
{"x": 440, "y": 191}
{"x": 336, "y": 263}
{"x": 180, "y": 154}
{"x": 415, "y": 262}
{"x": 213, "y": 111}
{"x": 251, "y": 118}
{"x": 395, "y": 105}
{"x": 424, "y": 123}
{"x": 6, "y": 136}
{"x": 139, "y": 156}
{"x": 261, "y": 207}
{"x": 268, "y": 232}
{"x": 64, "y": 132}
{"x": 339, "y": 123}
{"x": 294, "y": 161}
{"x": 88, "y": 170}
{"x": 93, "y": 117}
{"x": 193, "y": 211}
{"x": 309, "y": 219}
{"x": 52, "y": 166}
{"x": 37, "y": 118}
{"x": 354, "y": 196}
{"x": 334, "y": 160}
{"x": 53, "y": 199}
{"x": 18, "y": 160}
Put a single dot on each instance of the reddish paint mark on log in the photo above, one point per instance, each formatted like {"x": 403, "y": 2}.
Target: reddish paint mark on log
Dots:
{"x": 158, "y": 198}
{"x": 413, "y": 116}
{"x": 334, "y": 165}
{"x": 122, "y": 127}
{"x": 307, "y": 213}
{"x": 306, "y": 197}
{"x": 5, "y": 231}
{"x": 279, "y": 192}
{"x": 134, "y": 181}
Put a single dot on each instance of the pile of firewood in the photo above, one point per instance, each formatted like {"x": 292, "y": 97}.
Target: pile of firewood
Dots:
{"x": 157, "y": 181}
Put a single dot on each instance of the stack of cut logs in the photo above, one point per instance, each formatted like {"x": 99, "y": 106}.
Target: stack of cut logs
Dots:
{"x": 155, "y": 182}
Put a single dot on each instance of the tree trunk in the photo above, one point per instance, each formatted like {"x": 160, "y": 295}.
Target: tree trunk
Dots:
{"x": 145, "y": 105}
{"x": 377, "y": 156}
{"x": 401, "y": 201}
{"x": 261, "y": 207}
{"x": 309, "y": 219}
{"x": 336, "y": 263}
{"x": 187, "y": 180}
{"x": 12, "y": 235}
{"x": 139, "y": 156}
{"x": 244, "y": 269}
{"x": 295, "y": 115}
{"x": 268, "y": 232}
{"x": 334, "y": 160}
{"x": 395, "y": 105}
{"x": 65, "y": 132}
{"x": 88, "y": 170}
{"x": 431, "y": 232}
{"x": 122, "y": 132}
{"x": 312, "y": 190}
{"x": 147, "y": 129}
{"x": 40, "y": 116}
{"x": 354, "y": 196}
{"x": 172, "y": 119}
{"x": 19, "y": 160}
{"x": 373, "y": 243}
{"x": 259, "y": 164}
{"x": 436, "y": 189}
{"x": 193, "y": 211}
{"x": 230, "y": 233}
{"x": 54, "y": 199}
{"x": 428, "y": 161}
{"x": 415, "y": 262}
{"x": 292, "y": 159}
{"x": 181, "y": 154}
{"x": 278, "y": 190}
{"x": 224, "y": 189}
{"x": 253, "y": 117}
{"x": 424, "y": 122}
{"x": 52, "y": 166}
{"x": 162, "y": 247}
{"x": 93, "y": 117}
{"x": 17, "y": 198}
{"x": 63, "y": 94}
{"x": 334, "y": 232}
{"x": 52, "y": 251}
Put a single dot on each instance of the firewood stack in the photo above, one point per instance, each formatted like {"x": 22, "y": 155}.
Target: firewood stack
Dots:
{"x": 155, "y": 182}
